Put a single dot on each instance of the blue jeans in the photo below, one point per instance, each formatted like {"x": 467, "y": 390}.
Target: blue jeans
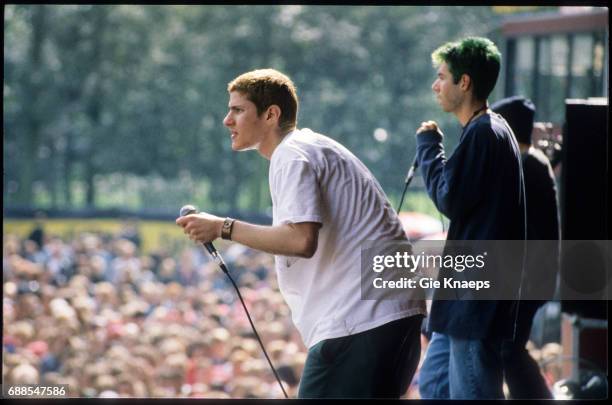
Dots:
{"x": 461, "y": 369}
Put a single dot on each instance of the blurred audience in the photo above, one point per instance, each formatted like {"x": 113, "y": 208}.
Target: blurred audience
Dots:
{"x": 96, "y": 314}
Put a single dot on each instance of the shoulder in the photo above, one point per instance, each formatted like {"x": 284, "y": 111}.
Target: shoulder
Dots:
{"x": 481, "y": 129}
{"x": 307, "y": 139}
{"x": 497, "y": 123}
{"x": 538, "y": 155}
{"x": 490, "y": 127}
{"x": 305, "y": 142}
{"x": 299, "y": 148}
{"x": 535, "y": 159}
{"x": 302, "y": 139}
{"x": 295, "y": 146}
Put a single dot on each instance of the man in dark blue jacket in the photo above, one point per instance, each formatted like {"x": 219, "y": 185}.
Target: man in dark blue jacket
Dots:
{"x": 479, "y": 188}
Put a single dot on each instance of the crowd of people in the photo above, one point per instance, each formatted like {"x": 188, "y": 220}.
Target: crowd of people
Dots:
{"x": 98, "y": 315}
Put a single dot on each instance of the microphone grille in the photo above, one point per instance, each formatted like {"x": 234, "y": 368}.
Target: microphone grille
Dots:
{"x": 188, "y": 209}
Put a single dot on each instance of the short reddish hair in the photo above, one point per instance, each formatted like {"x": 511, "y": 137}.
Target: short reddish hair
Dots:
{"x": 266, "y": 87}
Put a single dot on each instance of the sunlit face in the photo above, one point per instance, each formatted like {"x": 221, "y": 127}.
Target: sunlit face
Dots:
{"x": 448, "y": 94}
{"x": 246, "y": 127}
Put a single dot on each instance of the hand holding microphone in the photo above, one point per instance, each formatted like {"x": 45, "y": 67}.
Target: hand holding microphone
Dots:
{"x": 204, "y": 228}
{"x": 199, "y": 226}
{"x": 425, "y": 126}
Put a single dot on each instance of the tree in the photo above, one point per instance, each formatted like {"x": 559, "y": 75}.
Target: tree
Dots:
{"x": 96, "y": 91}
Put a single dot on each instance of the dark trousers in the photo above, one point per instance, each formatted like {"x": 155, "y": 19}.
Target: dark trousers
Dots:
{"x": 521, "y": 371}
{"x": 377, "y": 363}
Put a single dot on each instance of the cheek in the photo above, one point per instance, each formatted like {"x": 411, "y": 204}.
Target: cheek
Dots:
{"x": 248, "y": 122}
{"x": 445, "y": 89}
{"x": 254, "y": 126}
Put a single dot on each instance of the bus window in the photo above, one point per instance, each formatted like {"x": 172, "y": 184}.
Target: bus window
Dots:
{"x": 559, "y": 70}
{"x": 583, "y": 80}
{"x": 600, "y": 73}
{"x": 523, "y": 75}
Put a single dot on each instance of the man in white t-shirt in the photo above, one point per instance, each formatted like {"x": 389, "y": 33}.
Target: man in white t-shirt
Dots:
{"x": 326, "y": 205}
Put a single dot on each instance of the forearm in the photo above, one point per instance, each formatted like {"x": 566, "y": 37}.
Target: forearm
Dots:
{"x": 286, "y": 239}
{"x": 431, "y": 159}
{"x": 456, "y": 184}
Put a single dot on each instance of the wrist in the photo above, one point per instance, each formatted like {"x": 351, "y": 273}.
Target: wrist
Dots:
{"x": 219, "y": 227}
{"x": 429, "y": 136}
{"x": 227, "y": 228}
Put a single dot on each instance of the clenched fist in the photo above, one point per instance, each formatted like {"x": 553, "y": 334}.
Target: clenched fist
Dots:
{"x": 201, "y": 227}
{"x": 429, "y": 126}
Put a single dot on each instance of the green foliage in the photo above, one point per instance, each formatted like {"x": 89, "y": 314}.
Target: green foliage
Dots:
{"x": 92, "y": 93}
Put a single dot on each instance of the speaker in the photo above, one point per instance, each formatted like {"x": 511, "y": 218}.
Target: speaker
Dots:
{"x": 584, "y": 186}
{"x": 584, "y": 209}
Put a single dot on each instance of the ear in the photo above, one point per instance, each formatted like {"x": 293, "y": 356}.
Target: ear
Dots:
{"x": 465, "y": 83}
{"x": 273, "y": 113}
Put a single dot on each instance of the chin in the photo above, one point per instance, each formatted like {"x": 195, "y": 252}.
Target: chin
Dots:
{"x": 241, "y": 148}
{"x": 236, "y": 145}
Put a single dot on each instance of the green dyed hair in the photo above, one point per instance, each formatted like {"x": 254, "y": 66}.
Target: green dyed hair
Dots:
{"x": 476, "y": 57}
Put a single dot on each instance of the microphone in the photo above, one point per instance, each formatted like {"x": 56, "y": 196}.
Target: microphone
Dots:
{"x": 190, "y": 209}
{"x": 409, "y": 176}
{"x": 411, "y": 170}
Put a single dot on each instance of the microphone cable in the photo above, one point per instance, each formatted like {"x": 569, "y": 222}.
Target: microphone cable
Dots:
{"x": 221, "y": 263}
{"x": 225, "y": 270}
{"x": 407, "y": 181}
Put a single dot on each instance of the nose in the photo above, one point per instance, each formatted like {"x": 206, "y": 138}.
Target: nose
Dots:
{"x": 434, "y": 86}
{"x": 228, "y": 121}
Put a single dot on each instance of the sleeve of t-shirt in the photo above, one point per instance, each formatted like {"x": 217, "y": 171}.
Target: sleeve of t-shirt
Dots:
{"x": 297, "y": 193}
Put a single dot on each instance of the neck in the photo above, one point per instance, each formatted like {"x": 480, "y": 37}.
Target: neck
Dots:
{"x": 466, "y": 111}
{"x": 270, "y": 142}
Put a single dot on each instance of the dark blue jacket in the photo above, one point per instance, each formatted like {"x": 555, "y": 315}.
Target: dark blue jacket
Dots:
{"x": 479, "y": 189}
{"x": 542, "y": 264}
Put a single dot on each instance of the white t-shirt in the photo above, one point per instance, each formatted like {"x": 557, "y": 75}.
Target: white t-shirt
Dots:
{"x": 315, "y": 179}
